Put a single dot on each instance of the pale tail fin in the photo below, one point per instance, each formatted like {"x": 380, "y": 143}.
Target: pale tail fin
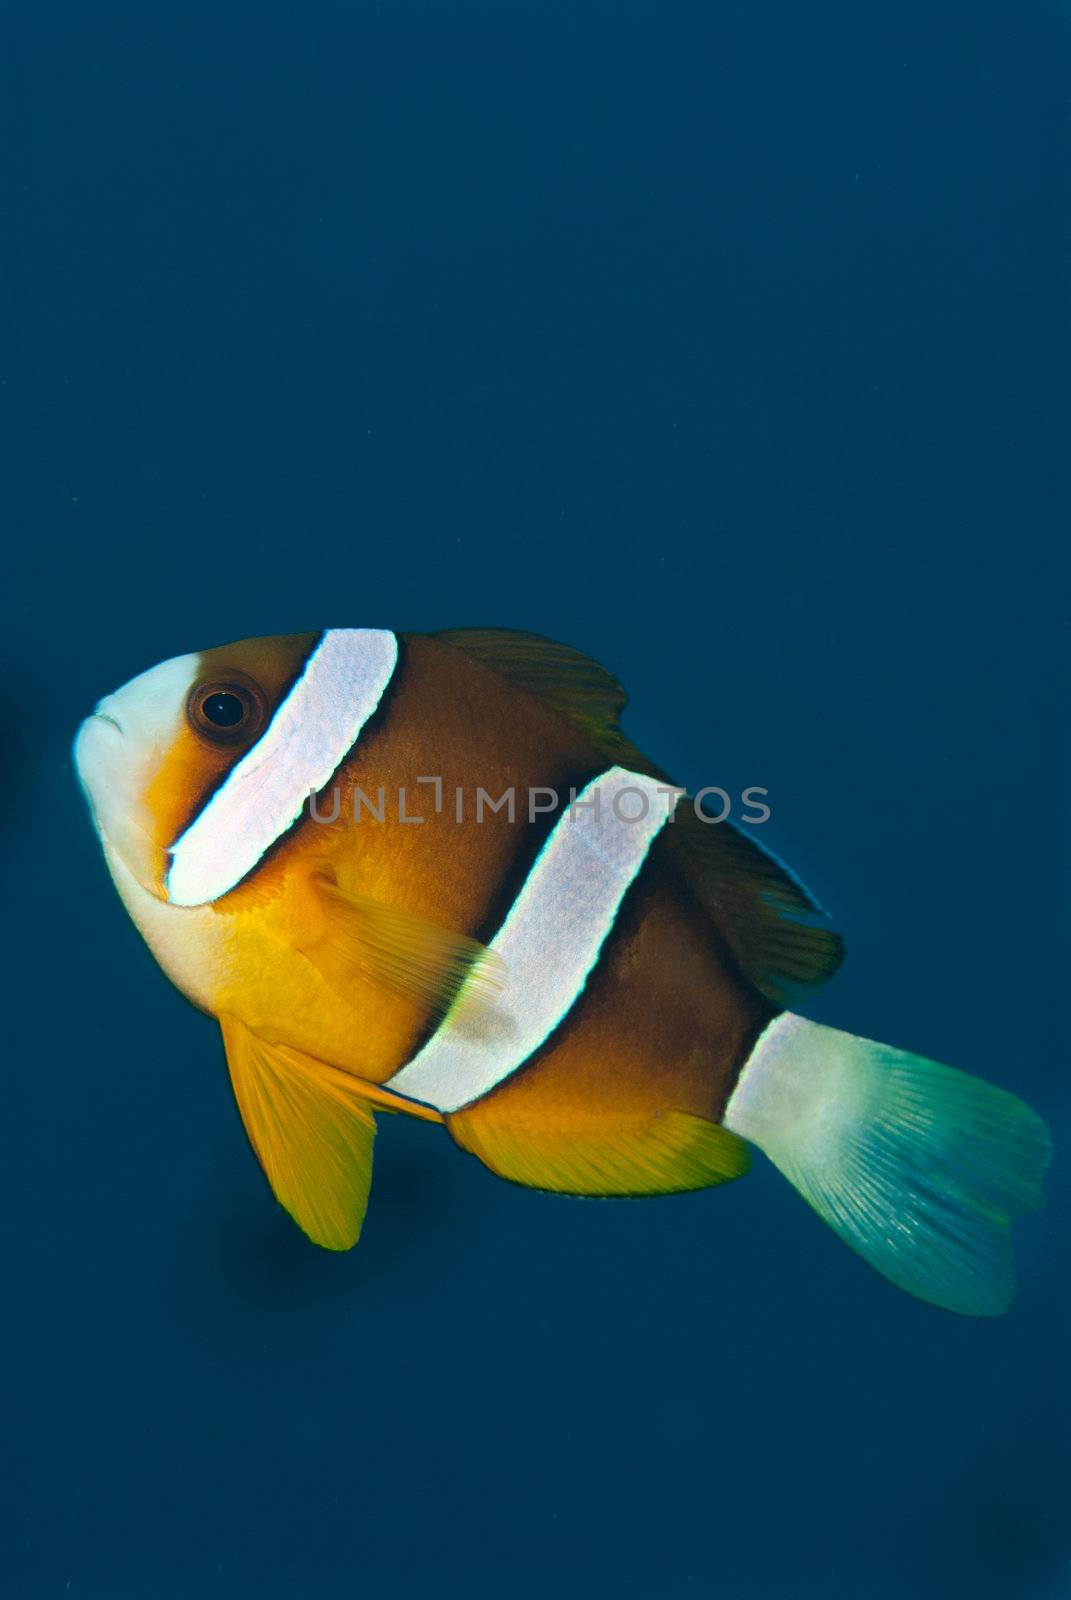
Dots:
{"x": 918, "y": 1167}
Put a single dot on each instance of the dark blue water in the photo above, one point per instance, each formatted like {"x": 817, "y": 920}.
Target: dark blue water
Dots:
{"x": 728, "y": 341}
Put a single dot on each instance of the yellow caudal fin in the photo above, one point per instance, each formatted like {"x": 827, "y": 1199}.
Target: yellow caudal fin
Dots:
{"x": 401, "y": 951}
{"x": 312, "y": 1130}
{"x": 674, "y": 1151}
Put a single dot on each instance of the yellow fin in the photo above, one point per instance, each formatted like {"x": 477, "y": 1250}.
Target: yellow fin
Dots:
{"x": 312, "y": 1130}
{"x": 675, "y": 1151}
{"x": 401, "y": 951}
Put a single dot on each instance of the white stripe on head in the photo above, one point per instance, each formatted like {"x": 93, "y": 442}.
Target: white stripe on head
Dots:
{"x": 303, "y": 745}
{"x": 550, "y": 941}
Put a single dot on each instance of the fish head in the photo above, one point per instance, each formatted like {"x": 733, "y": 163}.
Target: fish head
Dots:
{"x": 152, "y": 754}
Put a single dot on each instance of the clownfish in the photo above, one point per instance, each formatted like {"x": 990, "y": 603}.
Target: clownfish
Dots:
{"x": 590, "y": 985}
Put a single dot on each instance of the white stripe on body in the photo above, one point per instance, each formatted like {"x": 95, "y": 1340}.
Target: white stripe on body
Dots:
{"x": 550, "y": 942}
{"x": 304, "y": 744}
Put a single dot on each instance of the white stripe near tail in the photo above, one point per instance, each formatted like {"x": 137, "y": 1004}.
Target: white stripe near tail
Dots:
{"x": 919, "y": 1167}
{"x": 549, "y": 942}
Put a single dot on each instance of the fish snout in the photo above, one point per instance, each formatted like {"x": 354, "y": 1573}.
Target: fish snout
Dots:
{"x": 104, "y": 711}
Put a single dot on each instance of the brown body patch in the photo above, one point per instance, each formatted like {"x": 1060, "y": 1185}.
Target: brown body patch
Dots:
{"x": 663, "y": 1022}
{"x": 443, "y": 716}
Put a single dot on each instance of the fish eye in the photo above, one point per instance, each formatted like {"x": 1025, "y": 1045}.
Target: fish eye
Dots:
{"x": 226, "y": 709}
{"x": 223, "y": 708}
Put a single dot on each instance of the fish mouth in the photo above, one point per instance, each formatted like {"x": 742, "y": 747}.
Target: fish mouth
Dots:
{"x": 106, "y": 716}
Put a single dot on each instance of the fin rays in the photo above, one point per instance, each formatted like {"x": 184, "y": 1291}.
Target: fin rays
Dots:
{"x": 667, "y": 1155}
{"x": 312, "y": 1131}
{"x": 402, "y": 951}
{"x": 919, "y": 1167}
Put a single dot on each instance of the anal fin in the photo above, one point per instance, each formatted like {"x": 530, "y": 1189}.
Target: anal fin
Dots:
{"x": 671, "y": 1152}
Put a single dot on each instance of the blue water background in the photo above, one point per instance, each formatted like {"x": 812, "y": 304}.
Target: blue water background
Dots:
{"x": 728, "y": 341}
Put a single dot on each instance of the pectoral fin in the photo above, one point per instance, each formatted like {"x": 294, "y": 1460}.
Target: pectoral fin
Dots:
{"x": 400, "y": 950}
{"x": 312, "y": 1130}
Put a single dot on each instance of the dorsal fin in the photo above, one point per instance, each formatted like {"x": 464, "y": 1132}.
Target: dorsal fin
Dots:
{"x": 773, "y": 926}
{"x": 567, "y": 680}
